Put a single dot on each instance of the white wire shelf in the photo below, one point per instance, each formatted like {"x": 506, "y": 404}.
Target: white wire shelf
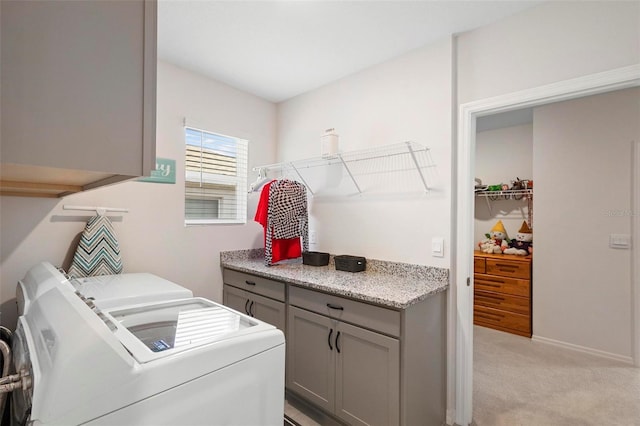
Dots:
{"x": 403, "y": 167}
{"x": 509, "y": 194}
{"x": 525, "y": 195}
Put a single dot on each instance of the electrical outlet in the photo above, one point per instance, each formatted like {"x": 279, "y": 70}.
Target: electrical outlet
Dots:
{"x": 313, "y": 238}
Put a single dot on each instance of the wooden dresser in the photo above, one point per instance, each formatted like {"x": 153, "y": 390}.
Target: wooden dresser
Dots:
{"x": 502, "y": 296}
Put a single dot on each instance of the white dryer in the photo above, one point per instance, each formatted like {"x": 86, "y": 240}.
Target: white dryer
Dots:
{"x": 105, "y": 291}
{"x": 188, "y": 361}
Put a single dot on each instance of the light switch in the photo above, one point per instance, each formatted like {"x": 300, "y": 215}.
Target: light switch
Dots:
{"x": 437, "y": 246}
{"x": 620, "y": 241}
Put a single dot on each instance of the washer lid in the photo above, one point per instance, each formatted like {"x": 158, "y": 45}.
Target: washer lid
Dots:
{"x": 156, "y": 330}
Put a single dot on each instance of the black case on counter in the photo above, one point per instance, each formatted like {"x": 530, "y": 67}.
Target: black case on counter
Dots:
{"x": 315, "y": 258}
{"x": 350, "y": 263}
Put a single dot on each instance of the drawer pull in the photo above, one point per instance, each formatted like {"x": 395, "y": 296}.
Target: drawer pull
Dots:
{"x": 490, "y": 284}
{"x": 506, "y": 265}
{"x": 337, "y": 307}
{"x": 488, "y": 315}
{"x": 250, "y": 282}
{"x": 492, "y": 298}
{"x": 490, "y": 279}
{"x": 329, "y": 338}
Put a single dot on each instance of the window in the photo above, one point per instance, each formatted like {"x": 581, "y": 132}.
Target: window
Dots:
{"x": 215, "y": 178}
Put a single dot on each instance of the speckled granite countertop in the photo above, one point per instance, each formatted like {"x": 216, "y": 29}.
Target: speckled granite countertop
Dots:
{"x": 395, "y": 285}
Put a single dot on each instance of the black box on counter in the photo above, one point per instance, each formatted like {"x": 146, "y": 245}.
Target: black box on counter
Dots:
{"x": 350, "y": 263}
{"x": 315, "y": 258}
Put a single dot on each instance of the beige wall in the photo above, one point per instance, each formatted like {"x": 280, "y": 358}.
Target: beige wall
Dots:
{"x": 152, "y": 235}
{"x": 583, "y": 172}
{"x": 555, "y": 41}
{"x": 405, "y": 99}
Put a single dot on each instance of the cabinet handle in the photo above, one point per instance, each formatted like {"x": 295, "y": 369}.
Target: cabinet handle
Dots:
{"x": 329, "y": 338}
{"x": 337, "y": 342}
{"x": 251, "y": 309}
{"x": 250, "y": 282}
{"x": 246, "y": 307}
{"x": 337, "y": 307}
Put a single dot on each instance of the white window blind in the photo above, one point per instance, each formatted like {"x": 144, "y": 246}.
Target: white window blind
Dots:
{"x": 215, "y": 178}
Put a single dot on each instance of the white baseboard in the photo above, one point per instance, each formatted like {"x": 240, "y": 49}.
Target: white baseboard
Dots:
{"x": 584, "y": 349}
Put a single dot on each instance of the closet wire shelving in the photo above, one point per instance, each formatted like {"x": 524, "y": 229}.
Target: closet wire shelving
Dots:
{"x": 401, "y": 168}
{"x": 510, "y": 194}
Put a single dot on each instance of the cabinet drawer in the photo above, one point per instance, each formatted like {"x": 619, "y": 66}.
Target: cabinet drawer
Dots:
{"x": 496, "y": 318}
{"x": 509, "y": 268}
{"x": 506, "y": 302}
{"x": 479, "y": 265}
{"x": 502, "y": 285}
{"x": 255, "y": 284}
{"x": 376, "y": 318}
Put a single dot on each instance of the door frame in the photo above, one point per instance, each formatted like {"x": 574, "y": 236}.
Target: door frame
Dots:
{"x": 468, "y": 113}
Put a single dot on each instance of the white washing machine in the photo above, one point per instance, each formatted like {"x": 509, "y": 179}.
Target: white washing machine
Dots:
{"x": 105, "y": 291}
{"x": 188, "y": 362}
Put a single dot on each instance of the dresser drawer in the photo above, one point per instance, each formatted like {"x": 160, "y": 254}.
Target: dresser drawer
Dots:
{"x": 502, "y": 285}
{"x": 506, "y": 302}
{"x": 373, "y": 317}
{"x": 499, "y": 319}
{"x": 509, "y": 268}
{"x": 479, "y": 265}
{"x": 254, "y": 284}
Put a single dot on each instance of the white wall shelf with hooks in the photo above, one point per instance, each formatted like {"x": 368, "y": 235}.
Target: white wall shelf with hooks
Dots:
{"x": 399, "y": 168}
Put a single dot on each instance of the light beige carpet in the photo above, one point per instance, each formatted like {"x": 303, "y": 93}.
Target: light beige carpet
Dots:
{"x": 519, "y": 382}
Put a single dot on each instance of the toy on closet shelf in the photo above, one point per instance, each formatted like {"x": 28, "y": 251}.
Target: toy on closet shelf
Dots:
{"x": 496, "y": 240}
{"x": 522, "y": 245}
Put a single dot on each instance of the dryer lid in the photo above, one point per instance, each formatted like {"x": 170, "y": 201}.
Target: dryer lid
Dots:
{"x": 111, "y": 291}
{"x": 153, "y": 331}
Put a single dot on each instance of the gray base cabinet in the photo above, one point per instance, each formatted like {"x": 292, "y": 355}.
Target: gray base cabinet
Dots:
{"x": 360, "y": 363}
{"x": 348, "y": 371}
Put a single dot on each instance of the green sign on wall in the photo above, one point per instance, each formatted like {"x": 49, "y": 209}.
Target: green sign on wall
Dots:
{"x": 165, "y": 172}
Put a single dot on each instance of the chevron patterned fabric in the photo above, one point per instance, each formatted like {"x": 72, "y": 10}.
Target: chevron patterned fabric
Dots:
{"x": 98, "y": 251}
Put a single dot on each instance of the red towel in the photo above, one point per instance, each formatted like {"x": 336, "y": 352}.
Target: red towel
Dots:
{"x": 280, "y": 249}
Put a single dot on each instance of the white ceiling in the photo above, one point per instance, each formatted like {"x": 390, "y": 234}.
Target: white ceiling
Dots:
{"x": 279, "y": 49}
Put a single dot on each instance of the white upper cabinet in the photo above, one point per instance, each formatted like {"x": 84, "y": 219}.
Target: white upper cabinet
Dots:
{"x": 78, "y": 88}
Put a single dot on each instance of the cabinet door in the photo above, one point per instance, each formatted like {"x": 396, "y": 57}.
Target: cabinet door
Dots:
{"x": 267, "y": 310}
{"x": 367, "y": 377}
{"x": 78, "y": 85}
{"x": 311, "y": 357}
{"x": 236, "y": 299}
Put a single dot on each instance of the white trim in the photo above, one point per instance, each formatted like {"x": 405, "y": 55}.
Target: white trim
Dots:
{"x": 583, "y": 349}
{"x": 635, "y": 253}
{"x": 463, "y": 259}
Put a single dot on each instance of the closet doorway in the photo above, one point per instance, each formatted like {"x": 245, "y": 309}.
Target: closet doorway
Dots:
{"x": 572, "y": 139}
{"x": 469, "y": 113}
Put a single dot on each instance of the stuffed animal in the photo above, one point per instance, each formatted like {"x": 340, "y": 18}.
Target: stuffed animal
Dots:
{"x": 522, "y": 245}
{"x": 496, "y": 240}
